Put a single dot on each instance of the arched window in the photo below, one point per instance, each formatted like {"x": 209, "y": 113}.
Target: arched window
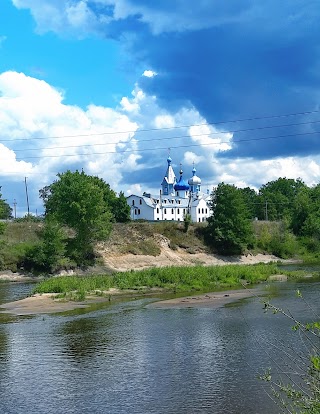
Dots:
{"x": 133, "y": 202}
{"x": 165, "y": 211}
{"x": 140, "y": 201}
{"x": 172, "y": 211}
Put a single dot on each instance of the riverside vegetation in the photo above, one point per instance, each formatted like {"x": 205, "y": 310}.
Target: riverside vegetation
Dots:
{"x": 174, "y": 279}
{"x": 82, "y": 213}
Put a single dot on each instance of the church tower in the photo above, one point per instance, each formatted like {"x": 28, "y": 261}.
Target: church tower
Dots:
{"x": 169, "y": 179}
{"x": 194, "y": 182}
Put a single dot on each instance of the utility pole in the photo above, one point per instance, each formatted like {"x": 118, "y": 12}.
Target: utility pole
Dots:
{"x": 25, "y": 182}
{"x": 15, "y": 208}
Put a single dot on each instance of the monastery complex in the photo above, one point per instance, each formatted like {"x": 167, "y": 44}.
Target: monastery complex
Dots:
{"x": 174, "y": 201}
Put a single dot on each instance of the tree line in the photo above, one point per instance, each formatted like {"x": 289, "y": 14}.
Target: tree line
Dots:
{"x": 290, "y": 203}
{"x": 80, "y": 210}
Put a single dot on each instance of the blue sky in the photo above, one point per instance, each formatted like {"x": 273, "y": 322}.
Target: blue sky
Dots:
{"x": 230, "y": 86}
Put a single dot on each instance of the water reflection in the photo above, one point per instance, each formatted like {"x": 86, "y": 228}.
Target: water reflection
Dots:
{"x": 4, "y": 345}
{"x": 124, "y": 358}
{"x": 80, "y": 338}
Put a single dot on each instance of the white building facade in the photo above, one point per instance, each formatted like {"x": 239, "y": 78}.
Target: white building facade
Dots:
{"x": 174, "y": 201}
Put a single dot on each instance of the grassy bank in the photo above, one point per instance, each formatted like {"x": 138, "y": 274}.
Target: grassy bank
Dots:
{"x": 179, "y": 279}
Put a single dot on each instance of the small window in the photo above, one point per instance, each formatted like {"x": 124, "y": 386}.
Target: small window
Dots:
{"x": 206, "y": 211}
{"x": 199, "y": 211}
{"x": 158, "y": 218}
{"x": 172, "y": 211}
{"x": 199, "y": 219}
{"x": 138, "y": 210}
{"x": 202, "y": 211}
{"x": 135, "y": 211}
{"x": 158, "y": 210}
{"x": 178, "y": 211}
{"x": 165, "y": 211}
{"x": 133, "y": 202}
{"x": 140, "y": 201}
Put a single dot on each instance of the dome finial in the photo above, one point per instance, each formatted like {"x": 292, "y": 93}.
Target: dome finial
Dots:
{"x": 193, "y": 169}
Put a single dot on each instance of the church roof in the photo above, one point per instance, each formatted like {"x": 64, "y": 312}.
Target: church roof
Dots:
{"x": 181, "y": 184}
{"x": 194, "y": 180}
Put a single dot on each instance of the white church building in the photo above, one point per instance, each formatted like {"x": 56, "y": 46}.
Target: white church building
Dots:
{"x": 174, "y": 201}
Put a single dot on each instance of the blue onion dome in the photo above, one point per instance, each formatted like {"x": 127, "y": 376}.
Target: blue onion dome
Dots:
{"x": 194, "y": 180}
{"x": 181, "y": 184}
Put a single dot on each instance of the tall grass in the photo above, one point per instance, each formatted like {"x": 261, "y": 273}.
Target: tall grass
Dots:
{"x": 171, "y": 278}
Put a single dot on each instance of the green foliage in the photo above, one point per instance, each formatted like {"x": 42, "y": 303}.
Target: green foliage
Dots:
{"x": 276, "y": 238}
{"x": 80, "y": 202}
{"x": 230, "y": 228}
{"x": 5, "y": 209}
{"x": 251, "y": 200}
{"x": 48, "y": 255}
{"x": 121, "y": 209}
{"x": 187, "y": 221}
{"x": 277, "y": 197}
{"x": 296, "y": 386}
{"x": 172, "y": 278}
{"x": 29, "y": 218}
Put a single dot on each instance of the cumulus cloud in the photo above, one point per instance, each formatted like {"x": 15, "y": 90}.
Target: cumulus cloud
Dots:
{"x": 230, "y": 60}
{"x": 42, "y": 136}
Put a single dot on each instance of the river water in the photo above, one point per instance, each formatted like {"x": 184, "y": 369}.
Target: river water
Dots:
{"x": 127, "y": 358}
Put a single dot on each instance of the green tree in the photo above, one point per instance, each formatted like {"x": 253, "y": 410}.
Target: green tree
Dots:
{"x": 251, "y": 199}
{"x": 121, "y": 209}
{"x": 5, "y": 209}
{"x": 230, "y": 227}
{"x": 49, "y": 253}
{"x": 301, "y": 210}
{"x": 276, "y": 198}
{"x": 82, "y": 203}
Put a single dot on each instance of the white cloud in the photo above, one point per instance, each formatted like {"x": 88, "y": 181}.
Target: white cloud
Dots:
{"x": 149, "y": 73}
{"x": 117, "y": 143}
{"x": 164, "y": 121}
{"x": 64, "y": 17}
{"x": 30, "y": 108}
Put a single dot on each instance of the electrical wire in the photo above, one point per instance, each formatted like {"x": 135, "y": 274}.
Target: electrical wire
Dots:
{"x": 171, "y": 147}
{"x": 166, "y": 128}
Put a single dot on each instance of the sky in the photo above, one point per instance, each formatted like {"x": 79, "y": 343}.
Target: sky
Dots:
{"x": 114, "y": 86}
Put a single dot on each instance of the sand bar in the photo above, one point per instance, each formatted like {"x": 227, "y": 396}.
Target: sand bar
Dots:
{"x": 38, "y": 304}
{"x": 209, "y": 300}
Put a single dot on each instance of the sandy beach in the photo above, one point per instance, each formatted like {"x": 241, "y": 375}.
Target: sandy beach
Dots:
{"x": 38, "y": 304}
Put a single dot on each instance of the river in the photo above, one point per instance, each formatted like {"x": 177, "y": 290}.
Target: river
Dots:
{"x": 123, "y": 357}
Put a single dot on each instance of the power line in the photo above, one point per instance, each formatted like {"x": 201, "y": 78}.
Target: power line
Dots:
{"x": 172, "y": 147}
{"x": 170, "y": 138}
{"x": 169, "y": 128}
